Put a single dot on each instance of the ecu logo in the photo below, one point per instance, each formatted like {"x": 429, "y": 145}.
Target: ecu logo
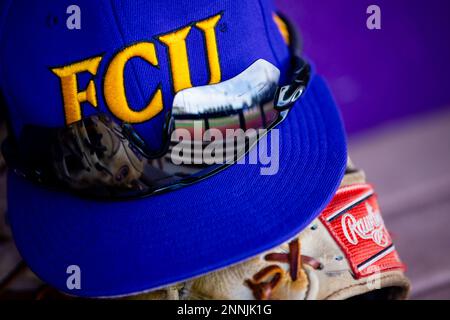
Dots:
{"x": 114, "y": 82}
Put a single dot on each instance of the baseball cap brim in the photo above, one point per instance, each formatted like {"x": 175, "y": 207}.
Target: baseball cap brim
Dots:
{"x": 134, "y": 246}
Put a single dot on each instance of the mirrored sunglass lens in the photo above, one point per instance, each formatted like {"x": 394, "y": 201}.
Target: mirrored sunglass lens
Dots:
{"x": 221, "y": 119}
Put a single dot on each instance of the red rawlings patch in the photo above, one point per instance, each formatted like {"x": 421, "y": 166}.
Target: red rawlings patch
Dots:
{"x": 353, "y": 218}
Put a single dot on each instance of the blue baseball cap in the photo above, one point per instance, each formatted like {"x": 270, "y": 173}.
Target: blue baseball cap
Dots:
{"x": 120, "y": 57}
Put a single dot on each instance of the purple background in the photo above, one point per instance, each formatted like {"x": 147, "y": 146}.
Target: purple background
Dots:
{"x": 400, "y": 75}
{"x": 378, "y": 75}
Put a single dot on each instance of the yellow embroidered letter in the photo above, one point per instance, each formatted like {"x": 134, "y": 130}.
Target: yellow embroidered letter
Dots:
{"x": 69, "y": 84}
{"x": 176, "y": 42}
{"x": 282, "y": 27}
{"x": 114, "y": 86}
{"x": 208, "y": 27}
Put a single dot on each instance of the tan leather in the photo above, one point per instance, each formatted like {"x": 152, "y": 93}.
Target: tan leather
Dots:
{"x": 335, "y": 281}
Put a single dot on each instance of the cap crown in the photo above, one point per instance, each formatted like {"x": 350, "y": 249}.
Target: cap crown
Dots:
{"x": 60, "y": 63}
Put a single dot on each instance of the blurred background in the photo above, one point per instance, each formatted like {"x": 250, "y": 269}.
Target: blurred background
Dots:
{"x": 393, "y": 87}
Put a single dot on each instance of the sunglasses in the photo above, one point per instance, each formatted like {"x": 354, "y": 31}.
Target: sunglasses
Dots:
{"x": 209, "y": 128}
